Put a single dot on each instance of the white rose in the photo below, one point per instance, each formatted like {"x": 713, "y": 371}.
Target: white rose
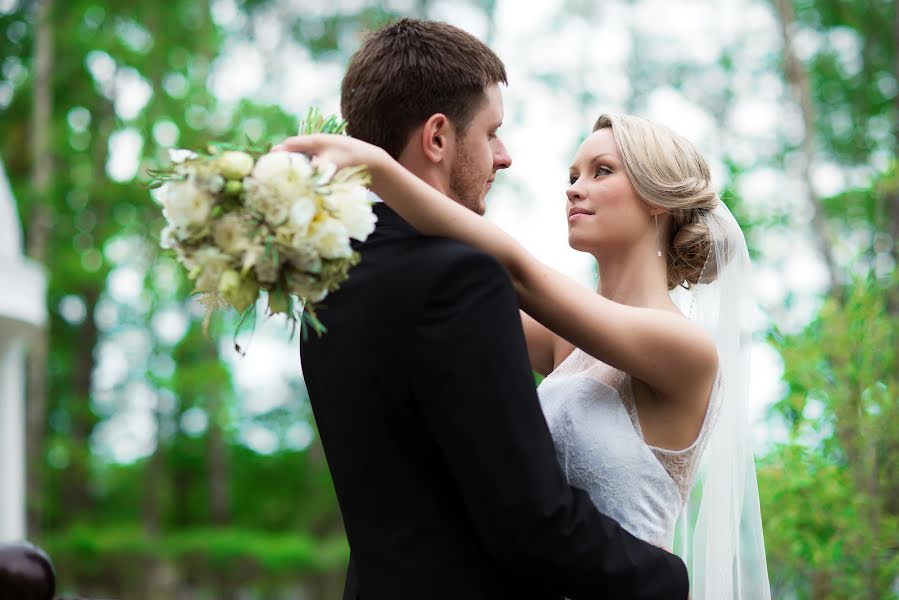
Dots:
{"x": 186, "y": 204}
{"x": 234, "y": 165}
{"x": 326, "y": 171}
{"x": 302, "y": 212}
{"x": 260, "y": 197}
{"x": 354, "y": 211}
{"x": 278, "y": 180}
{"x": 277, "y": 213}
{"x": 331, "y": 239}
{"x": 282, "y": 166}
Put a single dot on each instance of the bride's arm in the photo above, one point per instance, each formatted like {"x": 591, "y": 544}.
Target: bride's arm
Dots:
{"x": 655, "y": 346}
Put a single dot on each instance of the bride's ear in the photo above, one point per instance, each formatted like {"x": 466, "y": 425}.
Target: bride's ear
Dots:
{"x": 436, "y": 137}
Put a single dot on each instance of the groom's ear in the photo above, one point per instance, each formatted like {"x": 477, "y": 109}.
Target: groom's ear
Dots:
{"x": 436, "y": 137}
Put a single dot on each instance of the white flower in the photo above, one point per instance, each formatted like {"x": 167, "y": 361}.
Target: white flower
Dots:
{"x": 178, "y": 156}
{"x": 267, "y": 268}
{"x": 326, "y": 170}
{"x": 263, "y": 199}
{"x": 277, "y": 213}
{"x": 279, "y": 182}
{"x": 303, "y": 256}
{"x": 288, "y": 174}
{"x": 354, "y": 211}
{"x": 168, "y": 237}
{"x": 234, "y": 165}
{"x": 186, "y": 204}
{"x": 208, "y": 180}
{"x": 306, "y": 287}
{"x": 282, "y": 166}
{"x": 231, "y": 234}
{"x": 331, "y": 239}
{"x": 207, "y": 265}
{"x": 302, "y": 212}
{"x": 251, "y": 256}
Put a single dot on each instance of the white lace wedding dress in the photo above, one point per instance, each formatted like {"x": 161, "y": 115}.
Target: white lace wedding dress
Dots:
{"x": 591, "y": 413}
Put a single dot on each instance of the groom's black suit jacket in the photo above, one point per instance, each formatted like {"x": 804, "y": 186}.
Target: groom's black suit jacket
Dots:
{"x": 441, "y": 458}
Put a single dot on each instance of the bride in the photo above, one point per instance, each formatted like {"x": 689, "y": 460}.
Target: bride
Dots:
{"x": 645, "y": 388}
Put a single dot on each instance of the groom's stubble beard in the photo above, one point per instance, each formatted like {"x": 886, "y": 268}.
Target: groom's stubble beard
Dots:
{"x": 465, "y": 183}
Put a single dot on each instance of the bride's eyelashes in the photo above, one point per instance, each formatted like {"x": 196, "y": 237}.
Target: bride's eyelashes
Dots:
{"x": 599, "y": 171}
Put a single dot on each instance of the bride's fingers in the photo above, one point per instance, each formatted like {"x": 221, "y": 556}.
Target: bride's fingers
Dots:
{"x": 308, "y": 144}
{"x": 294, "y": 144}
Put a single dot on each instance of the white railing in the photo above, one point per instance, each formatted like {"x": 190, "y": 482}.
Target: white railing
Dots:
{"x": 22, "y": 313}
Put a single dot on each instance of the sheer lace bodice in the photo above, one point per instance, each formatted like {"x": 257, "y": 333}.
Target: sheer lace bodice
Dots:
{"x": 592, "y": 415}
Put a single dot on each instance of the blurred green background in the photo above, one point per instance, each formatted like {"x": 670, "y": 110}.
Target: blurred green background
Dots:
{"x": 162, "y": 465}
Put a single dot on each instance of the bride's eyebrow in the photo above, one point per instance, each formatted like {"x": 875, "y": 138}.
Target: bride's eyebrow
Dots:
{"x": 593, "y": 161}
{"x": 597, "y": 158}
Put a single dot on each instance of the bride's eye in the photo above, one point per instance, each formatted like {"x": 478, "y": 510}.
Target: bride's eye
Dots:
{"x": 571, "y": 179}
{"x": 603, "y": 171}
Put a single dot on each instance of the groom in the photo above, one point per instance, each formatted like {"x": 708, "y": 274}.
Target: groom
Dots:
{"x": 421, "y": 388}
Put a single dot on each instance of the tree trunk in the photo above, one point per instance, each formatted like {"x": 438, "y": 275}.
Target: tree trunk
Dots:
{"x": 862, "y": 454}
{"x": 219, "y": 492}
{"x": 38, "y": 234}
{"x": 219, "y": 486}
{"x": 77, "y": 477}
{"x": 893, "y": 196}
{"x": 798, "y": 79}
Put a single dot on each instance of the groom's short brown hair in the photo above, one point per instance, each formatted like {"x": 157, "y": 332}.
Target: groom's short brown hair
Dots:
{"x": 409, "y": 70}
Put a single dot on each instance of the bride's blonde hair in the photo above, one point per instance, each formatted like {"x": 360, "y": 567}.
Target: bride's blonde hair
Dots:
{"x": 668, "y": 172}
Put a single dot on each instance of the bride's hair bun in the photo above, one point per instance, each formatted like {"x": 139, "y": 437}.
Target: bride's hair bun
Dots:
{"x": 689, "y": 252}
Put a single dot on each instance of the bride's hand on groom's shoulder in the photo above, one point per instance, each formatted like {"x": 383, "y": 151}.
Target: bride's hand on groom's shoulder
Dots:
{"x": 342, "y": 151}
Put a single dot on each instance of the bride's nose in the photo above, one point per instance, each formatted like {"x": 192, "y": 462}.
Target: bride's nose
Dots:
{"x": 574, "y": 192}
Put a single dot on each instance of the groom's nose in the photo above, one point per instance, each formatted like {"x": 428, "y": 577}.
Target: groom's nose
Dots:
{"x": 501, "y": 158}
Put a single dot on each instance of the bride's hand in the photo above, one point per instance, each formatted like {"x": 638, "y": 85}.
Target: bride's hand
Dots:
{"x": 341, "y": 150}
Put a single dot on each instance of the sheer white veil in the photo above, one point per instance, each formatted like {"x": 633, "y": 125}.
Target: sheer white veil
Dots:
{"x": 719, "y": 532}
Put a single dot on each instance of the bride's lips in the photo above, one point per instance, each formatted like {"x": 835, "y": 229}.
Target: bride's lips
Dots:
{"x": 574, "y": 212}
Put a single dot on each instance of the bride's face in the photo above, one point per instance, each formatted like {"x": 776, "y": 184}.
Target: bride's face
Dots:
{"x": 603, "y": 210}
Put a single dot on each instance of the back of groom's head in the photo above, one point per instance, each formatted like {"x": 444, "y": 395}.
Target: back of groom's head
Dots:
{"x": 409, "y": 70}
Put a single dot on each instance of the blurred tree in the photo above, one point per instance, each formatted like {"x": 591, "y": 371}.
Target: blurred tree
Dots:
{"x": 830, "y": 511}
{"x": 829, "y": 495}
{"x": 91, "y": 89}
{"x": 98, "y": 92}
{"x": 37, "y": 236}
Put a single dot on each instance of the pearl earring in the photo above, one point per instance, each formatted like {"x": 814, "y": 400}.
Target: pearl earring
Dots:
{"x": 658, "y": 243}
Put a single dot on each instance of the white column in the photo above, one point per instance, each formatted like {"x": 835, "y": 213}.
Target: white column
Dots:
{"x": 12, "y": 438}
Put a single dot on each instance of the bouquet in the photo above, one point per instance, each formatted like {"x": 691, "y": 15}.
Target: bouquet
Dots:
{"x": 243, "y": 221}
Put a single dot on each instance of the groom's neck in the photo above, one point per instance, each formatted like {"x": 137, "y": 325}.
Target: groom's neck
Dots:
{"x": 426, "y": 170}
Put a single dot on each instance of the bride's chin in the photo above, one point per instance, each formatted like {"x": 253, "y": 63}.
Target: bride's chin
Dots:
{"x": 577, "y": 244}
{"x": 582, "y": 245}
